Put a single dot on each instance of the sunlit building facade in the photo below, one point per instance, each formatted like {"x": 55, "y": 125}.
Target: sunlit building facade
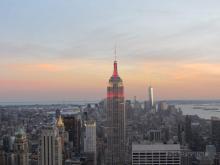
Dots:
{"x": 151, "y": 96}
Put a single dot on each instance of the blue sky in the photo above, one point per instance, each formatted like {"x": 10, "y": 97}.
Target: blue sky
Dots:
{"x": 138, "y": 27}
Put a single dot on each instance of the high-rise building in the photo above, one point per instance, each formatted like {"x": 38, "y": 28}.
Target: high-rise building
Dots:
{"x": 156, "y": 154}
{"x": 72, "y": 124}
{"x": 188, "y": 130}
{"x": 21, "y": 148}
{"x": 61, "y": 129}
{"x": 8, "y": 143}
{"x": 162, "y": 106}
{"x": 115, "y": 120}
{"x": 51, "y": 147}
{"x": 151, "y": 97}
{"x": 155, "y": 135}
{"x": 128, "y": 110}
{"x": 2, "y": 156}
{"x": 90, "y": 141}
{"x": 215, "y": 131}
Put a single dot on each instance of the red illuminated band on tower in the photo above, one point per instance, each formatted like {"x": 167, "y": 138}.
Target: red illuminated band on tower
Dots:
{"x": 115, "y": 73}
{"x": 111, "y": 94}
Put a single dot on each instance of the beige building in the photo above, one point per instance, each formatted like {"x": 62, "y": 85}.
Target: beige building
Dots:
{"x": 21, "y": 153}
{"x": 51, "y": 147}
{"x": 90, "y": 141}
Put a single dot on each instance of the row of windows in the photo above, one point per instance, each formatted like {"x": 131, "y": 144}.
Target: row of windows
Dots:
{"x": 157, "y": 153}
{"x": 164, "y": 162}
{"x": 155, "y": 156}
{"x": 154, "y": 159}
{"x": 156, "y": 164}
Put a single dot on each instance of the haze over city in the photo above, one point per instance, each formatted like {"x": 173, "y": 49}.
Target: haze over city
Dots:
{"x": 64, "y": 50}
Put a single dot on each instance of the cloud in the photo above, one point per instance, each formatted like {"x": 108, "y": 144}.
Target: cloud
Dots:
{"x": 26, "y": 51}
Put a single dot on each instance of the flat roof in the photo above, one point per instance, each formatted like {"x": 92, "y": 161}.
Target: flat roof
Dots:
{"x": 155, "y": 147}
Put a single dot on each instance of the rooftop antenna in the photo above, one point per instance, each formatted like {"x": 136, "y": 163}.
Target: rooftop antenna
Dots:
{"x": 115, "y": 53}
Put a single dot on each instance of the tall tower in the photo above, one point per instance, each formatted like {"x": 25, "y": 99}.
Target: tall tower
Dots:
{"x": 72, "y": 123}
{"x": 51, "y": 147}
{"x": 215, "y": 132}
{"x": 151, "y": 97}
{"x": 61, "y": 129}
{"x": 115, "y": 120}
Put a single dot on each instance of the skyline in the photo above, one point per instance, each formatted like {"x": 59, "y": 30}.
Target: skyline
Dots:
{"x": 53, "y": 50}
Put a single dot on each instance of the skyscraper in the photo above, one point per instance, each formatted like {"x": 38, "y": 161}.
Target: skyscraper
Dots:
{"x": 188, "y": 130}
{"x": 115, "y": 120}
{"x": 51, "y": 147}
{"x": 21, "y": 148}
{"x": 90, "y": 141}
{"x": 215, "y": 132}
{"x": 61, "y": 129}
{"x": 151, "y": 97}
{"x": 72, "y": 123}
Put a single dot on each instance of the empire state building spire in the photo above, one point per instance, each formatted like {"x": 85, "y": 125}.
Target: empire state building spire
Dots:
{"x": 115, "y": 73}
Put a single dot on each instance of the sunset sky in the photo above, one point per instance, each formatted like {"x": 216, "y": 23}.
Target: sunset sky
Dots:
{"x": 64, "y": 49}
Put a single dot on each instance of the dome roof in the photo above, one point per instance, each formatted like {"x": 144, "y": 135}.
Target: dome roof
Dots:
{"x": 20, "y": 134}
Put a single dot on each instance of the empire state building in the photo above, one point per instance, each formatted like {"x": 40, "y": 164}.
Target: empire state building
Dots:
{"x": 115, "y": 120}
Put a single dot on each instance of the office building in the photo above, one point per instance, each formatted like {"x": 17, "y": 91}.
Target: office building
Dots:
{"x": 115, "y": 120}
{"x": 62, "y": 133}
{"x": 188, "y": 130}
{"x": 72, "y": 123}
{"x": 155, "y": 135}
{"x": 151, "y": 97}
{"x": 215, "y": 132}
{"x": 152, "y": 154}
{"x": 51, "y": 147}
{"x": 90, "y": 141}
{"x": 21, "y": 148}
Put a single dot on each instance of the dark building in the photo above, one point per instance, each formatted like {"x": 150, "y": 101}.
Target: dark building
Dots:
{"x": 6, "y": 143}
{"x": 2, "y": 156}
{"x": 72, "y": 123}
{"x": 128, "y": 110}
{"x": 215, "y": 131}
{"x": 180, "y": 133}
{"x": 58, "y": 113}
{"x": 188, "y": 130}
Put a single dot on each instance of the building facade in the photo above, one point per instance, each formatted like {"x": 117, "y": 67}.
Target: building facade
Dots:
{"x": 152, "y": 154}
{"x": 90, "y": 141}
{"x": 51, "y": 147}
{"x": 72, "y": 123}
{"x": 215, "y": 132}
{"x": 115, "y": 120}
{"x": 151, "y": 97}
{"x": 21, "y": 148}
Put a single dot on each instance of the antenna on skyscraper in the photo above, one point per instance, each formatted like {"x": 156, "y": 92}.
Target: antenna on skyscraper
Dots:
{"x": 115, "y": 53}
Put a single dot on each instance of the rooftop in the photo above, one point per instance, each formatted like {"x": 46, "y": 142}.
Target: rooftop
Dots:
{"x": 155, "y": 147}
